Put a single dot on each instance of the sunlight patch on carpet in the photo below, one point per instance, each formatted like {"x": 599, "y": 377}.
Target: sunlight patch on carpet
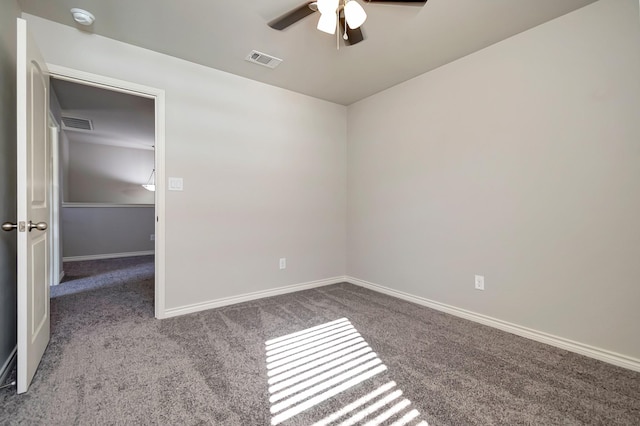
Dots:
{"x": 314, "y": 365}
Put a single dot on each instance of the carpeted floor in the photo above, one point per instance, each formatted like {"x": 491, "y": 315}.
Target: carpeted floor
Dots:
{"x": 111, "y": 362}
{"x": 93, "y": 274}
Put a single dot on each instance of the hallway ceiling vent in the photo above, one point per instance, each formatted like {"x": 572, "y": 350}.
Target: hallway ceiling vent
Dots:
{"x": 74, "y": 123}
{"x": 263, "y": 59}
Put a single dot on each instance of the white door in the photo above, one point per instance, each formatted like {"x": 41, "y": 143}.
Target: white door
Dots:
{"x": 34, "y": 180}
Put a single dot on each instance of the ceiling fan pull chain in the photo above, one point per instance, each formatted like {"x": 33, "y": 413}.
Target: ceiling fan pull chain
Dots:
{"x": 345, "y": 36}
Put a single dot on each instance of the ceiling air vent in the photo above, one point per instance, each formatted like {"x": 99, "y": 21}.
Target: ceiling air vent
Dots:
{"x": 263, "y": 59}
{"x": 75, "y": 123}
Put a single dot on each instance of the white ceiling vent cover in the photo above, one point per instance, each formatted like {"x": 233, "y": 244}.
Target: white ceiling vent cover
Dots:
{"x": 74, "y": 123}
{"x": 263, "y": 59}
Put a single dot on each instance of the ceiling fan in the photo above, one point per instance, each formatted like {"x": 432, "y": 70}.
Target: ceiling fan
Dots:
{"x": 347, "y": 16}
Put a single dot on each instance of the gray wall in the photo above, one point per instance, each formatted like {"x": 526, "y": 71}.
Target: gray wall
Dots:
{"x": 107, "y": 174}
{"x": 91, "y": 231}
{"x": 521, "y": 163}
{"x": 8, "y": 259}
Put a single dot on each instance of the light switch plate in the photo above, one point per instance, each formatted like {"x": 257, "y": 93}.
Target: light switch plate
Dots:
{"x": 175, "y": 184}
{"x": 479, "y": 282}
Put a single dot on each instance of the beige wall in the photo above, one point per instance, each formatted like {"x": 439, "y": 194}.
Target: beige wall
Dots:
{"x": 263, "y": 168}
{"x": 9, "y": 13}
{"x": 520, "y": 162}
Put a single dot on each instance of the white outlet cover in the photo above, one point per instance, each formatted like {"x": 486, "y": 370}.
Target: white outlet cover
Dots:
{"x": 283, "y": 263}
{"x": 479, "y": 282}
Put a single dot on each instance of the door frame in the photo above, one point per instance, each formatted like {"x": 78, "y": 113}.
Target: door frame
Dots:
{"x": 54, "y": 193}
{"x": 158, "y": 95}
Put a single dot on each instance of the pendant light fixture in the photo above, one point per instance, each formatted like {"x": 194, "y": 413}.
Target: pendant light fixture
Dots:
{"x": 151, "y": 182}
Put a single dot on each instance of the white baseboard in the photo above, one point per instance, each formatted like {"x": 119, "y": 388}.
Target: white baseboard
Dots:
{"x": 539, "y": 336}
{"x": 8, "y": 365}
{"x": 197, "y": 307}
{"x": 107, "y": 256}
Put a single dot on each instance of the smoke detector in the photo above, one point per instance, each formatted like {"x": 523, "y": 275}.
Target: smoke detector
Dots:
{"x": 82, "y": 17}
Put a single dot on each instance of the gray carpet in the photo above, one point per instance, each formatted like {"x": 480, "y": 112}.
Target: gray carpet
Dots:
{"x": 111, "y": 362}
{"x": 92, "y": 274}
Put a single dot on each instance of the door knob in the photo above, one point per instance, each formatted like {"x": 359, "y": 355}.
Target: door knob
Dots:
{"x": 8, "y": 226}
{"x": 40, "y": 226}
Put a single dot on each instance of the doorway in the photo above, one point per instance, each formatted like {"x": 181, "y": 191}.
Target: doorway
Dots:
{"x": 111, "y": 145}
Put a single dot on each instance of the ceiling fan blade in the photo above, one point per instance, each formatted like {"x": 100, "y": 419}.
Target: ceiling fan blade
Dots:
{"x": 353, "y": 36}
{"x": 292, "y": 17}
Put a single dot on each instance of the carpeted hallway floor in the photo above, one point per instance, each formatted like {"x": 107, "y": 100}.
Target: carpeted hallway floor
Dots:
{"x": 111, "y": 362}
{"x": 94, "y": 274}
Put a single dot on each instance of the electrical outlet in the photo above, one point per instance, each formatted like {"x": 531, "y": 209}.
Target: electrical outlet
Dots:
{"x": 152, "y": 237}
{"x": 479, "y": 282}
{"x": 283, "y": 263}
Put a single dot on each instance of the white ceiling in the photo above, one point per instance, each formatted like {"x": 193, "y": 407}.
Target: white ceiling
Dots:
{"x": 401, "y": 41}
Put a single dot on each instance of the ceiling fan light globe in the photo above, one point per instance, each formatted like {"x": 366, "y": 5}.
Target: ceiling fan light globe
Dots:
{"x": 354, "y": 14}
{"x": 327, "y": 6}
{"x": 328, "y": 22}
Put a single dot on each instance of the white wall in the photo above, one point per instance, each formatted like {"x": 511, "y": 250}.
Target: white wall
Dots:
{"x": 520, "y": 162}
{"x": 100, "y": 173}
{"x": 264, "y": 170}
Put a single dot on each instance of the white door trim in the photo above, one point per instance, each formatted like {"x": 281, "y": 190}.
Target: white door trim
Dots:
{"x": 95, "y": 80}
{"x": 54, "y": 191}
